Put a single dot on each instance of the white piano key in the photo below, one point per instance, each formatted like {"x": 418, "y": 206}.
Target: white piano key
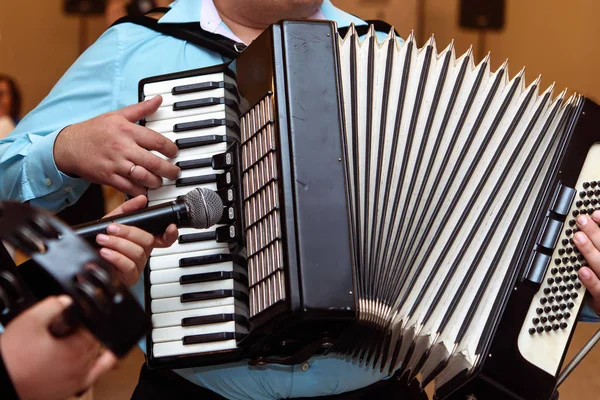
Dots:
{"x": 162, "y": 320}
{"x": 168, "y": 125}
{"x": 167, "y": 113}
{"x": 179, "y": 248}
{"x": 177, "y": 289}
{"x": 172, "y": 304}
{"x": 177, "y": 348}
{"x": 169, "y": 99}
{"x": 167, "y": 86}
{"x": 172, "y": 275}
{"x": 172, "y": 260}
{"x": 164, "y": 193}
{"x": 179, "y": 332}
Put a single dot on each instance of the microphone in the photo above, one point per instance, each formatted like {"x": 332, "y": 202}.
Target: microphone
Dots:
{"x": 201, "y": 208}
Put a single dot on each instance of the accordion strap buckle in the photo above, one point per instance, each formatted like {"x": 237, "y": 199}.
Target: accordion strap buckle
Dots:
{"x": 239, "y": 47}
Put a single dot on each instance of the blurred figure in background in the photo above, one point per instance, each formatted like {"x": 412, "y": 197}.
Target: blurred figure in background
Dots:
{"x": 10, "y": 105}
{"x": 10, "y": 114}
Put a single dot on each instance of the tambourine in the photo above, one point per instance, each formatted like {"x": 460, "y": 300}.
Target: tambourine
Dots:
{"x": 63, "y": 263}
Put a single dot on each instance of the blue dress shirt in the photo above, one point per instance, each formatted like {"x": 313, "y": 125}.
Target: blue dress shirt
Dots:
{"x": 105, "y": 78}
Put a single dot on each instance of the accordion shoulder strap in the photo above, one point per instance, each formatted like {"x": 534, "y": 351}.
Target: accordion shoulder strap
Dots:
{"x": 190, "y": 32}
{"x": 193, "y": 33}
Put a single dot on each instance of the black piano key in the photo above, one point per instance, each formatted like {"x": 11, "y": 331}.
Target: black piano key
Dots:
{"x": 200, "y": 87}
{"x": 214, "y": 319}
{"x": 213, "y": 276}
{"x": 198, "y": 103}
{"x": 227, "y": 195}
{"x": 203, "y": 260}
{"x": 211, "y": 337}
{"x": 197, "y": 180}
{"x": 224, "y": 180}
{"x": 197, "y": 237}
{"x": 207, "y": 123}
{"x": 227, "y": 233}
{"x": 198, "y": 141}
{"x": 212, "y": 259}
{"x": 223, "y": 160}
{"x": 212, "y": 295}
{"x": 228, "y": 216}
{"x": 191, "y": 164}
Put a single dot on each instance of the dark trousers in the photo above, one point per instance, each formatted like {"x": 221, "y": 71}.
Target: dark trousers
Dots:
{"x": 165, "y": 384}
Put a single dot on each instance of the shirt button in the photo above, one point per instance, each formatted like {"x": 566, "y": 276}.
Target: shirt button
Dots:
{"x": 68, "y": 189}
{"x": 305, "y": 367}
{"x": 48, "y": 182}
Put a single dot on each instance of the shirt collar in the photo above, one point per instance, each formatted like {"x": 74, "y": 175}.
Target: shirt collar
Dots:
{"x": 183, "y": 11}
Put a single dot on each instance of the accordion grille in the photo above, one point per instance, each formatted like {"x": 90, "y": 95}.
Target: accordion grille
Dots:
{"x": 261, "y": 206}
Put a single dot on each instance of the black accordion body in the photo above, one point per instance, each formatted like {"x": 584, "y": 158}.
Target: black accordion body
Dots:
{"x": 401, "y": 208}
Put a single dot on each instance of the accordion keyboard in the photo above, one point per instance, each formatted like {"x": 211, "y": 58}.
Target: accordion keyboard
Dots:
{"x": 554, "y": 309}
{"x": 198, "y": 294}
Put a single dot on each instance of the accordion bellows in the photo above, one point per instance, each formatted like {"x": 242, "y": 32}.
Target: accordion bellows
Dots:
{"x": 445, "y": 161}
{"x": 408, "y": 210}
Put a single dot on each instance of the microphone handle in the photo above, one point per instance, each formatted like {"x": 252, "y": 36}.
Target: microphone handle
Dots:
{"x": 154, "y": 220}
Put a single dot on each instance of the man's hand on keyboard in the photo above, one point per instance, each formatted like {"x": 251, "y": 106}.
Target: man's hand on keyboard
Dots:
{"x": 127, "y": 247}
{"x": 113, "y": 150}
{"x": 588, "y": 243}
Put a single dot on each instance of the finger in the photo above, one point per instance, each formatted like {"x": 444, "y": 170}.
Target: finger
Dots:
{"x": 591, "y": 230}
{"x": 125, "y": 267}
{"x": 592, "y": 284}
{"x": 596, "y": 216}
{"x": 133, "y": 251}
{"x": 588, "y": 251}
{"x": 138, "y": 111}
{"x": 126, "y": 185}
{"x": 127, "y": 236}
{"x": 151, "y": 140}
{"x": 155, "y": 164}
{"x": 143, "y": 177}
{"x": 167, "y": 238}
{"x": 134, "y": 204}
{"x": 50, "y": 308}
{"x": 104, "y": 363}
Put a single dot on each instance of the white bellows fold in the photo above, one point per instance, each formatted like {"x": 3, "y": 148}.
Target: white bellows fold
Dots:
{"x": 445, "y": 161}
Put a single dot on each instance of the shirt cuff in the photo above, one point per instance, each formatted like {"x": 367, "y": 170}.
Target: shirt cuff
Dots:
{"x": 50, "y": 188}
{"x": 588, "y": 315}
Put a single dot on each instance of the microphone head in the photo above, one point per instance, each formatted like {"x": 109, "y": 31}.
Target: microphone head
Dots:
{"x": 205, "y": 208}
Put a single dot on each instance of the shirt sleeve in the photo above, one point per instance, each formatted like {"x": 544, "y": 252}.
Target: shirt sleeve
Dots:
{"x": 588, "y": 315}
{"x": 89, "y": 88}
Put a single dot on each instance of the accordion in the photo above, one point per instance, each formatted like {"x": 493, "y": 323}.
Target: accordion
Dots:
{"x": 402, "y": 208}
